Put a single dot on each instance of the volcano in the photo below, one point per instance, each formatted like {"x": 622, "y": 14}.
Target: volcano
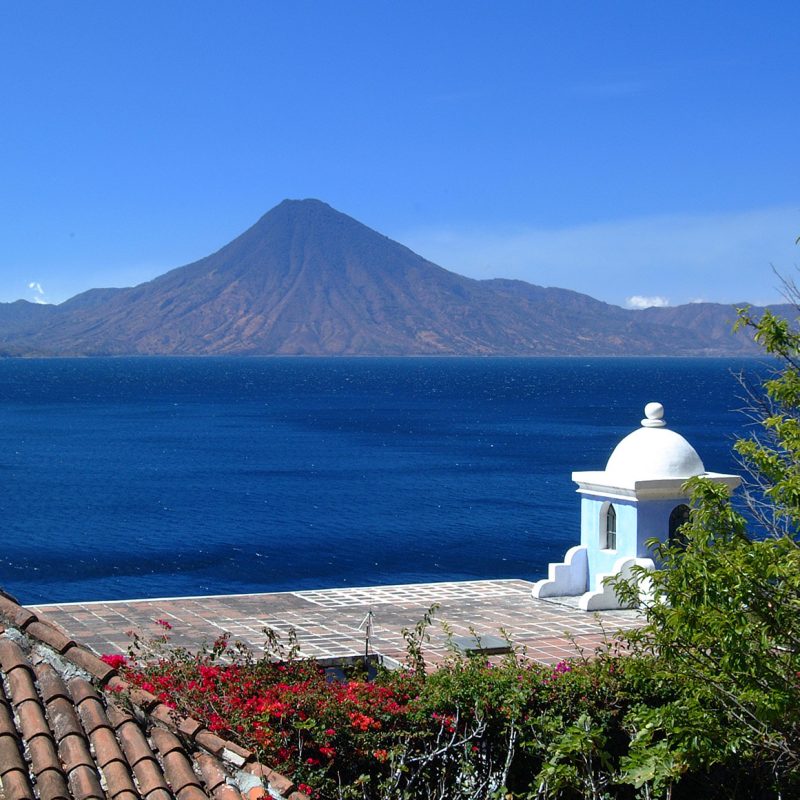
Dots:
{"x": 309, "y": 280}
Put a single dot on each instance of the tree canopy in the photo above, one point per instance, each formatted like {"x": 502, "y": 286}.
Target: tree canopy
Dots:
{"x": 723, "y": 623}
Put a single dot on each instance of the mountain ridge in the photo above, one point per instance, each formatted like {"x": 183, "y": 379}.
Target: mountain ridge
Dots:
{"x": 306, "y": 279}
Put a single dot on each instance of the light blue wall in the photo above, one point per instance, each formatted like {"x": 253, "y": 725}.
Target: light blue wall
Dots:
{"x": 654, "y": 522}
{"x": 654, "y": 519}
{"x": 603, "y": 560}
{"x": 636, "y": 523}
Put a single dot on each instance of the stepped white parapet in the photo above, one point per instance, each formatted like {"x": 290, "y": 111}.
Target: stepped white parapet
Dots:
{"x": 568, "y": 577}
{"x": 604, "y": 597}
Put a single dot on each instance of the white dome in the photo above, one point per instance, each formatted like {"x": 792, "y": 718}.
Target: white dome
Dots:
{"x": 654, "y": 451}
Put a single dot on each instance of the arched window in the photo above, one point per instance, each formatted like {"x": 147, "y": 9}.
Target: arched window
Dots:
{"x": 678, "y": 517}
{"x": 608, "y": 533}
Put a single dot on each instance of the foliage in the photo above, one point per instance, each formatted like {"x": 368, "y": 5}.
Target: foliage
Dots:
{"x": 477, "y": 729}
{"x": 724, "y": 622}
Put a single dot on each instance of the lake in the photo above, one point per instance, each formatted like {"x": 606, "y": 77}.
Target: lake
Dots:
{"x": 155, "y": 477}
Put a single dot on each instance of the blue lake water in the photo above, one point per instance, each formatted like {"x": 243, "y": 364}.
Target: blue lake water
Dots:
{"x": 165, "y": 476}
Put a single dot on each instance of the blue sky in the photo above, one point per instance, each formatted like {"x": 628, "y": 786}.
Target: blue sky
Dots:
{"x": 639, "y": 152}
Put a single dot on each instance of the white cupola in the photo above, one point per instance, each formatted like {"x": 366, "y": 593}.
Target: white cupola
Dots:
{"x": 639, "y": 496}
{"x": 654, "y": 451}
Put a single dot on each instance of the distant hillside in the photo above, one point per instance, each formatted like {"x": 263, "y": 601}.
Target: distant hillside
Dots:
{"x": 306, "y": 279}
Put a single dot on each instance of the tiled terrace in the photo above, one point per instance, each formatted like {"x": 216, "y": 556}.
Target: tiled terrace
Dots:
{"x": 331, "y": 623}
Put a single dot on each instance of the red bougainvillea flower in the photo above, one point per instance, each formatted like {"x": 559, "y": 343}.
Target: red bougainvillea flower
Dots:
{"x": 164, "y": 624}
{"x": 216, "y": 722}
{"x": 115, "y": 660}
{"x": 362, "y": 722}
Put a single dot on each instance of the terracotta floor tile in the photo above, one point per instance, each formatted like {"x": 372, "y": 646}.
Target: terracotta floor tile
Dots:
{"x": 327, "y": 621}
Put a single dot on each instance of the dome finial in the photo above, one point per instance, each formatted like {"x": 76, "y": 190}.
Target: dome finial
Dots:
{"x": 654, "y": 416}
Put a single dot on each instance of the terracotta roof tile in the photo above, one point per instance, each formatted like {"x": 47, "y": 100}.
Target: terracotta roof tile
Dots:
{"x": 80, "y": 690}
{"x": 49, "y": 634}
{"x": 226, "y": 792}
{"x": 165, "y": 716}
{"x": 106, "y": 747}
{"x": 80, "y": 745}
{"x": 189, "y": 726}
{"x": 50, "y": 785}
{"x": 23, "y": 617}
{"x": 11, "y": 656}
{"x": 10, "y": 755}
{"x": 32, "y": 722}
{"x": 16, "y": 614}
{"x": 6, "y": 716}
{"x": 74, "y": 752}
{"x": 134, "y": 743}
{"x": 165, "y": 741}
{"x": 242, "y": 752}
{"x": 137, "y": 750}
{"x": 192, "y": 793}
{"x": 210, "y": 742}
{"x": 143, "y": 699}
{"x": 117, "y": 716}
{"x": 85, "y": 784}
{"x": 280, "y": 783}
{"x": 8, "y": 607}
{"x": 116, "y": 684}
{"x": 118, "y": 779}
{"x": 20, "y": 681}
{"x": 63, "y": 718}
{"x": 150, "y": 778}
{"x": 179, "y": 772}
{"x": 17, "y": 785}
{"x": 177, "y": 768}
{"x": 44, "y": 756}
{"x": 90, "y": 662}
{"x": 93, "y": 715}
{"x": 211, "y": 771}
{"x": 160, "y": 794}
{"x": 50, "y": 684}
{"x": 173, "y": 721}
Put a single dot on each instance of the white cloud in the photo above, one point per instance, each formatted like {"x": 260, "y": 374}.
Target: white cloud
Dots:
{"x": 638, "y": 301}
{"x": 38, "y": 297}
{"x": 726, "y": 258}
